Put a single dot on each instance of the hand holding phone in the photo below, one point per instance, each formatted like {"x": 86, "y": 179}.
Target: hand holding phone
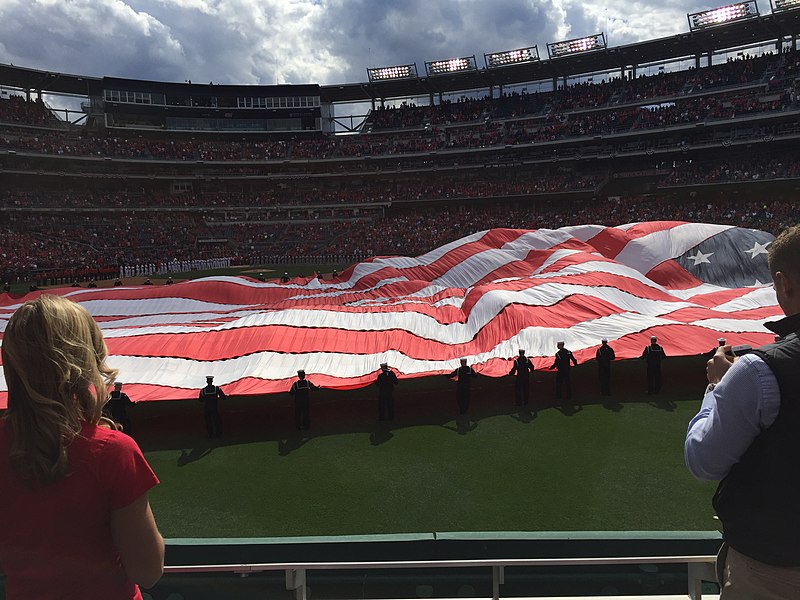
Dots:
{"x": 720, "y": 363}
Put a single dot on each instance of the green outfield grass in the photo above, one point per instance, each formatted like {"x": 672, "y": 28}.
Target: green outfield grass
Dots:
{"x": 591, "y": 466}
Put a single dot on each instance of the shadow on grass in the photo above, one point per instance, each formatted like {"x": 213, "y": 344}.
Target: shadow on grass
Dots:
{"x": 291, "y": 443}
{"x": 612, "y": 405}
{"x": 569, "y": 408}
{"x": 664, "y": 404}
{"x": 380, "y": 434}
{"x": 463, "y": 425}
{"x": 525, "y": 414}
{"x": 194, "y": 454}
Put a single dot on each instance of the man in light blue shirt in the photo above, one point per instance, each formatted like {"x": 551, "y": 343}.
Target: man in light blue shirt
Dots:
{"x": 747, "y": 436}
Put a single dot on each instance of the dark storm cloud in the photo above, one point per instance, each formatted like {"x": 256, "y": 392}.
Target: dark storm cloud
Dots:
{"x": 92, "y": 38}
{"x": 378, "y": 34}
{"x": 300, "y": 41}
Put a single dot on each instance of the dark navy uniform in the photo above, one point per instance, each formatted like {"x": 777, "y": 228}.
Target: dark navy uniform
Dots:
{"x": 117, "y": 407}
{"x": 522, "y": 368}
{"x": 210, "y": 396}
{"x": 653, "y": 354}
{"x": 386, "y": 381}
{"x": 301, "y": 391}
{"x": 562, "y": 365}
{"x": 604, "y": 357}
{"x": 463, "y": 375}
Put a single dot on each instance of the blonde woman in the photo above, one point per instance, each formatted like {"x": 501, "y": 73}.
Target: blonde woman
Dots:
{"x": 75, "y": 521}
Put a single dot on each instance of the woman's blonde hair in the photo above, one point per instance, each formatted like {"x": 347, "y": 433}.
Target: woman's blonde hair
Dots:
{"x": 54, "y": 365}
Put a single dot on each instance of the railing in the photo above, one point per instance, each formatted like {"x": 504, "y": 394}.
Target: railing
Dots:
{"x": 700, "y": 568}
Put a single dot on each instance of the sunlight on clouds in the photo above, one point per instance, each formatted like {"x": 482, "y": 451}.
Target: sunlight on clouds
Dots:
{"x": 302, "y": 41}
{"x": 627, "y": 22}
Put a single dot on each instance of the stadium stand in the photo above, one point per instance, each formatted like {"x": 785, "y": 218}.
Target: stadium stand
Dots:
{"x": 130, "y": 191}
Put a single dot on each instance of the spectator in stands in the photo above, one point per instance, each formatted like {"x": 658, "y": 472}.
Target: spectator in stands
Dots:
{"x": 75, "y": 520}
{"x": 653, "y": 355}
{"x": 301, "y": 392}
{"x": 746, "y": 436}
{"x": 210, "y": 396}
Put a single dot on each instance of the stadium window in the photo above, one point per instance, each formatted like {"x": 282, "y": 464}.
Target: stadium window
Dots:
{"x": 282, "y": 102}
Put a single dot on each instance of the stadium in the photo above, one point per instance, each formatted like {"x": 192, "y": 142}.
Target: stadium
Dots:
{"x": 565, "y": 194}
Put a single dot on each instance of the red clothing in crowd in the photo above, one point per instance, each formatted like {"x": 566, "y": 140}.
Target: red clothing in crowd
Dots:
{"x": 55, "y": 541}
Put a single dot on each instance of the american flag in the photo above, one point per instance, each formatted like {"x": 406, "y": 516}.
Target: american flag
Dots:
{"x": 481, "y": 297}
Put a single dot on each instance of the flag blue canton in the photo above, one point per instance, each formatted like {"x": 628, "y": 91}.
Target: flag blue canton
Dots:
{"x": 734, "y": 258}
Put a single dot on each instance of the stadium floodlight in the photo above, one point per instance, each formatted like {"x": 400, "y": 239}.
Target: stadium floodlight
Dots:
{"x": 451, "y": 65}
{"x": 779, "y": 5}
{"x": 723, "y": 15}
{"x": 511, "y": 57}
{"x": 391, "y": 73}
{"x": 576, "y": 46}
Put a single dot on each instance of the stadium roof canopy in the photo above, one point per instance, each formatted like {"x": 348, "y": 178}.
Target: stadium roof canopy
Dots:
{"x": 763, "y": 29}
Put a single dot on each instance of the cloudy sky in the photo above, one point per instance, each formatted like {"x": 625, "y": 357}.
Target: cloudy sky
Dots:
{"x": 302, "y": 41}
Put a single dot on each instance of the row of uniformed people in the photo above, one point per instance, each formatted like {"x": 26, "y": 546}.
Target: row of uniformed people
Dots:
{"x": 301, "y": 389}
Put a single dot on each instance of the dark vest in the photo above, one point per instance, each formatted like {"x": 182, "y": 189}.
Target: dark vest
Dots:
{"x": 758, "y": 501}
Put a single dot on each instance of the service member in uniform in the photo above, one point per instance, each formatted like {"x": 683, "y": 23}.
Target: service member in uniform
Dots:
{"x": 117, "y": 406}
{"x": 463, "y": 375}
{"x": 523, "y": 367}
{"x": 653, "y": 354}
{"x": 301, "y": 391}
{"x": 562, "y": 365}
{"x": 386, "y": 381}
{"x": 210, "y": 396}
{"x": 604, "y": 357}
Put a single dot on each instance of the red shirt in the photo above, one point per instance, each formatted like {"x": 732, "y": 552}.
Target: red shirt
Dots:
{"x": 55, "y": 541}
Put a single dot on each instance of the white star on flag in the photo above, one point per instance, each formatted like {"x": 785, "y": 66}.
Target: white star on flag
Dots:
{"x": 700, "y": 258}
{"x": 758, "y": 249}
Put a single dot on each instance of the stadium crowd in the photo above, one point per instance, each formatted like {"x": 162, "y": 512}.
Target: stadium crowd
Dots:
{"x": 738, "y": 87}
{"x": 98, "y": 244}
{"x": 119, "y": 224}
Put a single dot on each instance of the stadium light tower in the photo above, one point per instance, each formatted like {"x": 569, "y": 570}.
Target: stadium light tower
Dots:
{"x": 723, "y": 15}
{"x": 451, "y": 65}
{"x": 781, "y": 5}
{"x": 578, "y": 45}
{"x": 393, "y": 73}
{"x": 511, "y": 57}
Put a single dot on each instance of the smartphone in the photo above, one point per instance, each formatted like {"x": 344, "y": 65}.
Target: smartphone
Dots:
{"x": 739, "y": 350}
